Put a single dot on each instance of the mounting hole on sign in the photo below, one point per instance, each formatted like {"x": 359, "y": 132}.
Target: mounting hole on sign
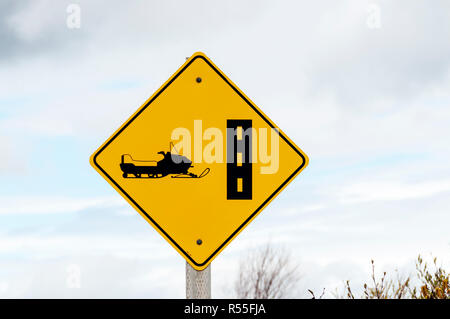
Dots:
{"x": 199, "y": 242}
{"x": 198, "y": 79}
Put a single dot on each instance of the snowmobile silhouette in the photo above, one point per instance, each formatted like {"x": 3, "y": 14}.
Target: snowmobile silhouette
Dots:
{"x": 171, "y": 164}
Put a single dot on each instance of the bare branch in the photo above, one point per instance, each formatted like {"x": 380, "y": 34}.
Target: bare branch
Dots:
{"x": 267, "y": 273}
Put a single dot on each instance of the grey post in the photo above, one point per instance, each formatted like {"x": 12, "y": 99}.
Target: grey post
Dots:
{"x": 198, "y": 283}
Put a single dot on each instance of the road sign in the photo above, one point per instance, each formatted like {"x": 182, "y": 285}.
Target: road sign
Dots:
{"x": 199, "y": 161}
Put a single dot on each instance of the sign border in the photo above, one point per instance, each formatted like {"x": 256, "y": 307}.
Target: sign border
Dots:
{"x": 207, "y": 261}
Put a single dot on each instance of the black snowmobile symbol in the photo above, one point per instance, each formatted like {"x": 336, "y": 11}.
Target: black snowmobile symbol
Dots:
{"x": 171, "y": 164}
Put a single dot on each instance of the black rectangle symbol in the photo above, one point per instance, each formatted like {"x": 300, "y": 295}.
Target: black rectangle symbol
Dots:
{"x": 239, "y": 159}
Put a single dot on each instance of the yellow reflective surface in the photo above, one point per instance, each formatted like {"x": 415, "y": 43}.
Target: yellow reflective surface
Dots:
{"x": 185, "y": 210}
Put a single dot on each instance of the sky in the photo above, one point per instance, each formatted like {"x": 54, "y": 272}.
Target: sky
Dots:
{"x": 363, "y": 87}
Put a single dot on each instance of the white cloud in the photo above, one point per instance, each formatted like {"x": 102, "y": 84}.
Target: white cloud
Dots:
{"x": 35, "y": 20}
{"x": 11, "y": 157}
{"x": 311, "y": 208}
{"x": 50, "y": 205}
{"x": 101, "y": 276}
{"x": 390, "y": 190}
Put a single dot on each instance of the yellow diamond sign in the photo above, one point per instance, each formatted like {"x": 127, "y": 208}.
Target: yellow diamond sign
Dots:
{"x": 199, "y": 161}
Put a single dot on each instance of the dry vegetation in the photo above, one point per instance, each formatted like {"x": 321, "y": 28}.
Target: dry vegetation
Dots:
{"x": 269, "y": 273}
{"x": 428, "y": 282}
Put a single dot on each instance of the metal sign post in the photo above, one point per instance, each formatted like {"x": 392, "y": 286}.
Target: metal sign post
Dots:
{"x": 198, "y": 283}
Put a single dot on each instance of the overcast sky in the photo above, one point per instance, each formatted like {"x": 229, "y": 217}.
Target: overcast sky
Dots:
{"x": 363, "y": 87}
